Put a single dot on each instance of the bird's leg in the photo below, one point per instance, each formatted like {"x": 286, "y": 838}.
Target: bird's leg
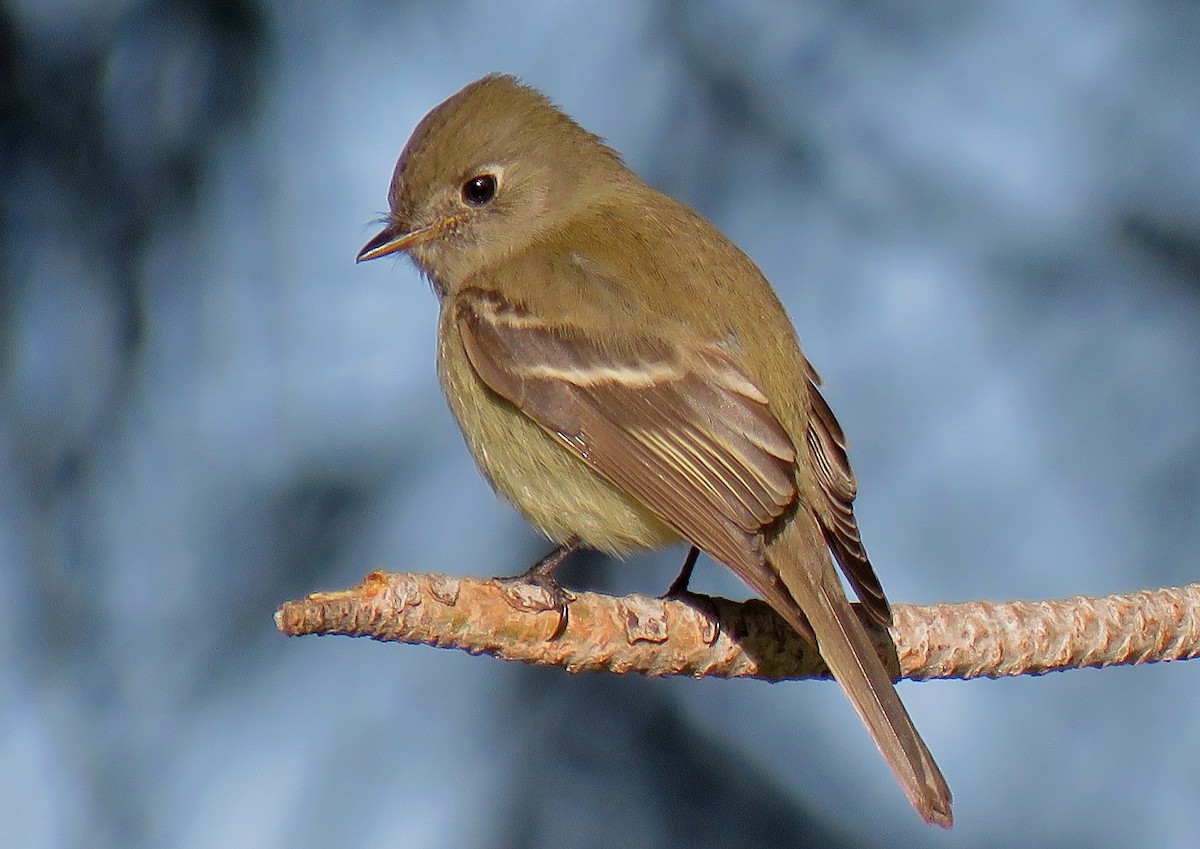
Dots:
{"x": 679, "y": 586}
{"x": 679, "y": 590}
{"x": 541, "y": 574}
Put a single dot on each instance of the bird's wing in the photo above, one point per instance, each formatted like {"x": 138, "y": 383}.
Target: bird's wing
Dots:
{"x": 682, "y": 429}
{"x": 827, "y": 456}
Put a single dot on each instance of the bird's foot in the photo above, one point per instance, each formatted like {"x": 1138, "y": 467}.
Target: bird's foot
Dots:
{"x": 552, "y": 595}
{"x": 701, "y": 603}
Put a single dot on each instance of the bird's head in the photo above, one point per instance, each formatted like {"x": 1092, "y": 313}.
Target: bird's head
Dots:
{"x": 489, "y": 172}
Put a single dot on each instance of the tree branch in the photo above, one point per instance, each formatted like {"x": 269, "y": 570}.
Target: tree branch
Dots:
{"x": 713, "y": 636}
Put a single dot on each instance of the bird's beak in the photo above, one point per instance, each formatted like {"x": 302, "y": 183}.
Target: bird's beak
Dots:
{"x": 392, "y": 238}
{"x": 389, "y": 241}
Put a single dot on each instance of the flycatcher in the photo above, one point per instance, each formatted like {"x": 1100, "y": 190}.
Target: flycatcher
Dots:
{"x": 626, "y": 377}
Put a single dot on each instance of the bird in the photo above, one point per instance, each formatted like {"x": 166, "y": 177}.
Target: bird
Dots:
{"x": 626, "y": 377}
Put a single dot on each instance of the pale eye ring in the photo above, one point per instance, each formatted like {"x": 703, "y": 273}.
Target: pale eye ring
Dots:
{"x": 479, "y": 190}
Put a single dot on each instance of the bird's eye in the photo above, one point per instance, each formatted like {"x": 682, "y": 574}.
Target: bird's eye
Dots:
{"x": 479, "y": 191}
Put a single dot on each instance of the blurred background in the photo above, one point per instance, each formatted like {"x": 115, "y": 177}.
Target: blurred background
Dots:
{"x": 984, "y": 219}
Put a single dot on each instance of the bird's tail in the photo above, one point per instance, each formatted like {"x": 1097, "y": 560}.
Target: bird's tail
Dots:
{"x": 802, "y": 561}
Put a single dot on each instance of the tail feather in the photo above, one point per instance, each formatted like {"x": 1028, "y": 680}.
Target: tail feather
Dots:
{"x": 845, "y": 646}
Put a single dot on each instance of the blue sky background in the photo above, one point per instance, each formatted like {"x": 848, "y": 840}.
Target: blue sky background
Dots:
{"x": 983, "y": 218}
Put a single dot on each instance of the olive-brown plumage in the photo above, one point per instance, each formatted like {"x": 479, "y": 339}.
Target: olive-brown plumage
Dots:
{"x": 626, "y": 376}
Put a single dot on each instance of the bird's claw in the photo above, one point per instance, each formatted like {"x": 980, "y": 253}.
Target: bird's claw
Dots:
{"x": 541, "y": 576}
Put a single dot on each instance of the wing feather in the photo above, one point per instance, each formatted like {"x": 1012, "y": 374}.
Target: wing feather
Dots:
{"x": 686, "y": 432}
{"x": 827, "y": 453}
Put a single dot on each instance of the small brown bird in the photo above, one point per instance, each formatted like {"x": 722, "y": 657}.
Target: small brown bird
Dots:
{"x": 626, "y": 377}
